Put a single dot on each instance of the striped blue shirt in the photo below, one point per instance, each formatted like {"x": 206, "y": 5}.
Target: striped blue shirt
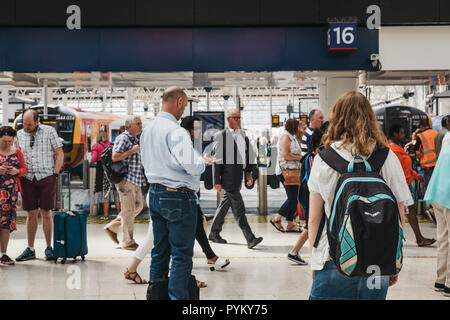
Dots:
{"x": 306, "y": 141}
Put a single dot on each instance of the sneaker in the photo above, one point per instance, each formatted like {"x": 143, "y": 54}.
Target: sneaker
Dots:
{"x": 297, "y": 259}
{"x": 27, "y": 254}
{"x": 439, "y": 287}
{"x": 49, "y": 254}
{"x": 447, "y": 292}
{"x": 216, "y": 239}
{"x": 6, "y": 260}
{"x": 252, "y": 243}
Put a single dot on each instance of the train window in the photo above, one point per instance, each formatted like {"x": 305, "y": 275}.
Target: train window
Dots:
{"x": 114, "y": 134}
{"x": 66, "y": 125}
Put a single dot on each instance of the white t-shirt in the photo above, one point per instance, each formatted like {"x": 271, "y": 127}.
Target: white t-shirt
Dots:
{"x": 323, "y": 180}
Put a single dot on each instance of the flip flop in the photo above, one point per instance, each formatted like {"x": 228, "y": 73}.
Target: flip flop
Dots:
{"x": 276, "y": 227}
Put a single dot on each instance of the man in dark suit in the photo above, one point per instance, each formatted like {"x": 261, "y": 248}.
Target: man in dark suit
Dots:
{"x": 233, "y": 148}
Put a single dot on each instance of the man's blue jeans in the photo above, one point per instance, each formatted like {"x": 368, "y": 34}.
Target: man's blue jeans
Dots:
{"x": 329, "y": 284}
{"x": 174, "y": 218}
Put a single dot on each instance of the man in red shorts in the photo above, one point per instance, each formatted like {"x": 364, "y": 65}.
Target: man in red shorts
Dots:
{"x": 44, "y": 157}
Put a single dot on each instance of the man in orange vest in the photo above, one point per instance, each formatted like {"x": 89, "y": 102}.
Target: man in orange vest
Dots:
{"x": 397, "y": 135}
{"x": 425, "y": 149}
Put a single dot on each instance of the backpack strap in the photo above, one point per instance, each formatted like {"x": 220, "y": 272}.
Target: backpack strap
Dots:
{"x": 306, "y": 177}
{"x": 334, "y": 160}
{"x": 377, "y": 159}
{"x": 320, "y": 230}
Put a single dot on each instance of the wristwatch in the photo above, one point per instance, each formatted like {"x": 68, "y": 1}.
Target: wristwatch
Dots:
{"x": 56, "y": 175}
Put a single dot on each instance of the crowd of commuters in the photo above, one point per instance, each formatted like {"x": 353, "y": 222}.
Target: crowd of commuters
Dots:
{"x": 353, "y": 131}
{"x": 163, "y": 157}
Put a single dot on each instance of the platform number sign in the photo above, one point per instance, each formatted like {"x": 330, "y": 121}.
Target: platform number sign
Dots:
{"x": 342, "y": 36}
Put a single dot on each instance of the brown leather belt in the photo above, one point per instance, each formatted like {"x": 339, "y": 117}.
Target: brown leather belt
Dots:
{"x": 180, "y": 189}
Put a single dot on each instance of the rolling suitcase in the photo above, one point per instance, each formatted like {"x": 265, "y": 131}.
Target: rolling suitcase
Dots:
{"x": 69, "y": 234}
{"x": 69, "y": 238}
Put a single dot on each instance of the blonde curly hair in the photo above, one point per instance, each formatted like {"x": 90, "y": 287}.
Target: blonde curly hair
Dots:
{"x": 353, "y": 122}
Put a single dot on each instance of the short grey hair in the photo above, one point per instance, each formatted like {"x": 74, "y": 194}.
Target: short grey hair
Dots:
{"x": 230, "y": 112}
{"x": 130, "y": 120}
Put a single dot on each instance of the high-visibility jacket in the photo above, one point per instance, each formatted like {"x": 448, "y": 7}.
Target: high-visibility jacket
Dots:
{"x": 429, "y": 156}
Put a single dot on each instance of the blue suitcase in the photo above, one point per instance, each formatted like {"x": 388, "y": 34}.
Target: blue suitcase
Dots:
{"x": 69, "y": 238}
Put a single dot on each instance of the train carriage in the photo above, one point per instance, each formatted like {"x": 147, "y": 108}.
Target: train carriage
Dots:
{"x": 76, "y": 127}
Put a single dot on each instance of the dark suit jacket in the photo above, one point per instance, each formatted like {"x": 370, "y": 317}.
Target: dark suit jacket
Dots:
{"x": 228, "y": 172}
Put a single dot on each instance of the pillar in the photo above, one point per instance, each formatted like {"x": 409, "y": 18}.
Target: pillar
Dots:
{"x": 130, "y": 101}
{"x": 332, "y": 87}
{"x": 5, "y": 106}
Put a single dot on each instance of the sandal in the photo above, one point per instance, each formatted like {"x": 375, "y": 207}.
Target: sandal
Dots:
{"x": 294, "y": 229}
{"x": 220, "y": 262}
{"x": 135, "y": 277}
{"x": 277, "y": 225}
{"x": 201, "y": 284}
{"x": 426, "y": 242}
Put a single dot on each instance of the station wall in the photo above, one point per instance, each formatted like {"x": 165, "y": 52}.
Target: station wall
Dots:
{"x": 207, "y": 13}
{"x": 415, "y": 48}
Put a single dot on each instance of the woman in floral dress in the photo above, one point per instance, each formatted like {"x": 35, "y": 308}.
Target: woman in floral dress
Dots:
{"x": 12, "y": 166}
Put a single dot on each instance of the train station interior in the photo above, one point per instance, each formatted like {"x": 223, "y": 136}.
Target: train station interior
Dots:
{"x": 271, "y": 66}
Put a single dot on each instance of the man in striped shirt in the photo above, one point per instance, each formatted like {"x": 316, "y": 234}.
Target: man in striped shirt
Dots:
{"x": 315, "y": 122}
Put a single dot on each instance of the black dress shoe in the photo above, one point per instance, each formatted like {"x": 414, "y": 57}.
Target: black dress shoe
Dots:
{"x": 254, "y": 242}
{"x": 216, "y": 239}
{"x": 439, "y": 287}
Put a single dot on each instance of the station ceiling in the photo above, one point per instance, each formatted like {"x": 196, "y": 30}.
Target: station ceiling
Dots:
{"x": 284, "y": 79}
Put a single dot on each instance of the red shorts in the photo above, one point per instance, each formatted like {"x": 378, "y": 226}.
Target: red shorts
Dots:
{"x": 38, "y": 194}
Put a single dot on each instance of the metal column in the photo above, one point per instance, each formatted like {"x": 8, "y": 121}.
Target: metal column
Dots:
{"x": 5, "y": 106}
{"x": 130, "y": 101}
{"x": 271, "y": 110}
{"x": 262, "y": 192}
{"x": 45, "y": 99}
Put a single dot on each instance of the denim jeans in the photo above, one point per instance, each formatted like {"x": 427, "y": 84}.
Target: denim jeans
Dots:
{"x": 174, "y": 219}
{"x": 329, "y": 284}
{"x": 289, "y": 207}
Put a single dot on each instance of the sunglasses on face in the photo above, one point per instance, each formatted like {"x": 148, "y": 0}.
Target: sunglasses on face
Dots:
{"x": 236, "y": 118}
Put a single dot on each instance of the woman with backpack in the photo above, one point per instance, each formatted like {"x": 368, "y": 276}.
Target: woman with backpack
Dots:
{"x": 354, "y": 135}
{"x": 99, "y": 192}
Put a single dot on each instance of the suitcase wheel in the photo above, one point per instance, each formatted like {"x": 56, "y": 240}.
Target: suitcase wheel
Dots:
{"x": 63, "y": 261}
{"x": 82, "y": 258}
